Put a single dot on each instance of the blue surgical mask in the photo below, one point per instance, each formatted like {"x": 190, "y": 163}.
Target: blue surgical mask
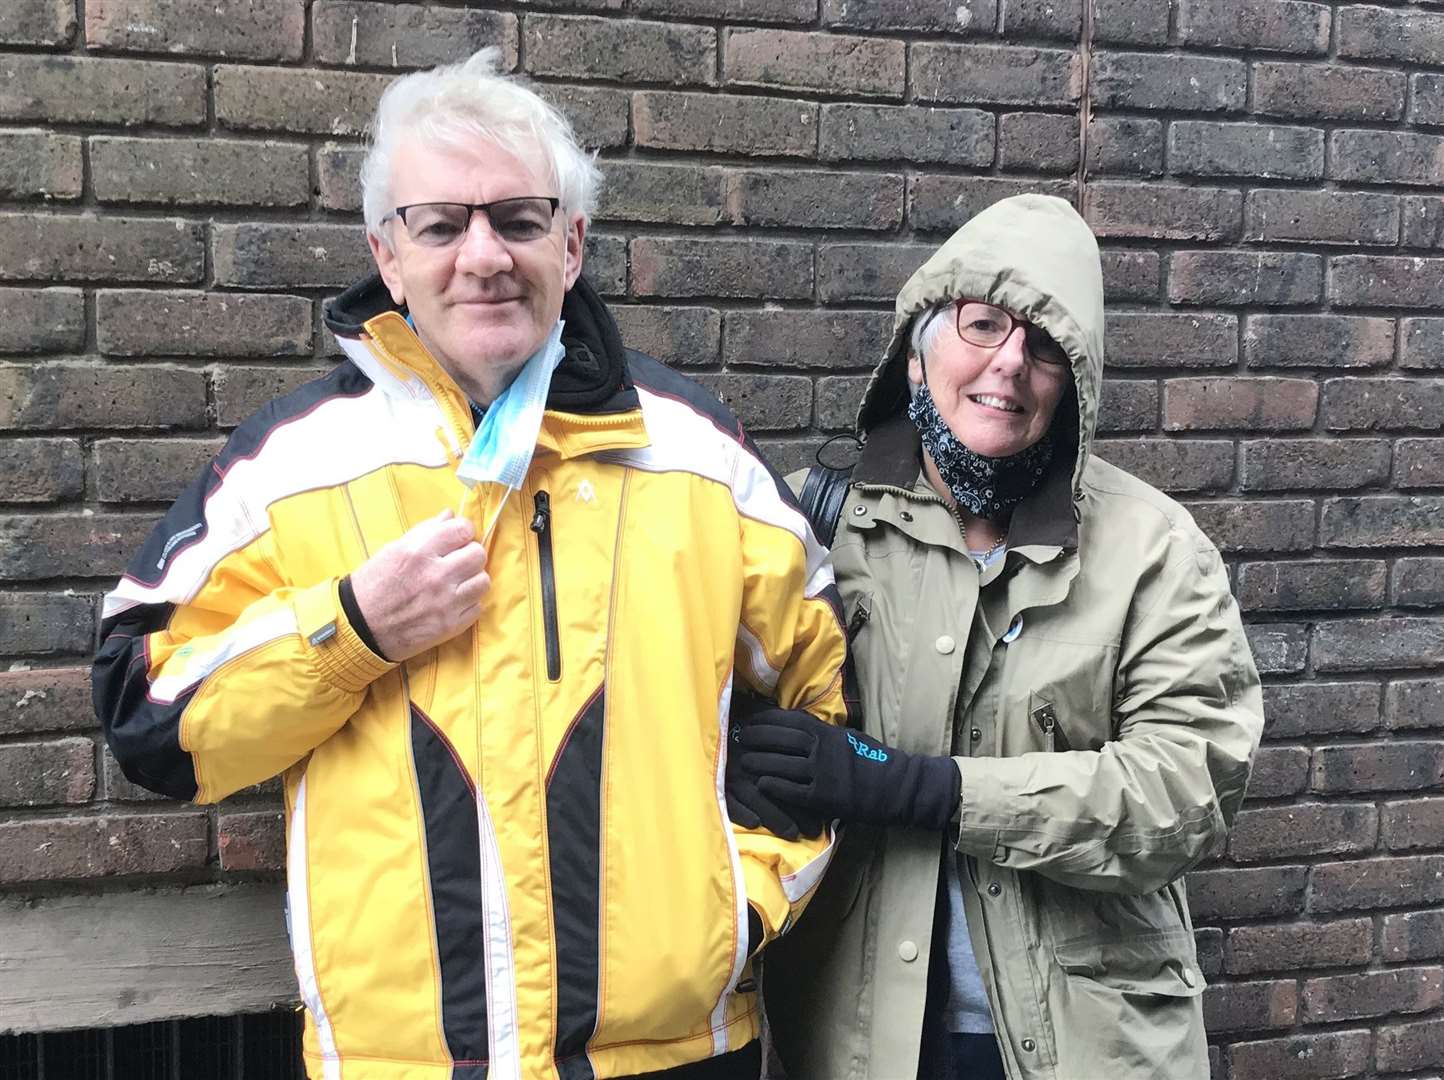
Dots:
{"x": 501, "y": 451}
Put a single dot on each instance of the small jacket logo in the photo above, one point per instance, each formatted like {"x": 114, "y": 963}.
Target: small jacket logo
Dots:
{"x": 585, "y": 492}
{"x": 862, "y": 750}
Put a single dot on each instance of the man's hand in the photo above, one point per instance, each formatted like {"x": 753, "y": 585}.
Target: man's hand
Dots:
{"x": 422, "y": 588}
{"x": 801, "y": 762}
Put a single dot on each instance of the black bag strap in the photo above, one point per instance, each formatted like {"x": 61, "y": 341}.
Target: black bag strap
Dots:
{"x": 823, "y": 493}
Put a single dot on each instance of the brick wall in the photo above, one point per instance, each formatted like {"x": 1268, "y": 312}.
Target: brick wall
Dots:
{"x": 178, "y": 196}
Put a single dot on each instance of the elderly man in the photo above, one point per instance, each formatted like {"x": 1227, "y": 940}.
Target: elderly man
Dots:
{"x": 500, "y": 715}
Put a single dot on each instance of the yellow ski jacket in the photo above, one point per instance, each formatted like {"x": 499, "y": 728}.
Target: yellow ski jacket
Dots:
{"x": 508, "y": 857}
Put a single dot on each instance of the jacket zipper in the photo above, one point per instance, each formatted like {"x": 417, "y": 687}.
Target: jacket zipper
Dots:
{"x": 541, "y": 524}
{"x": 859, "y": 619}
{"x": 1047, "y": 720}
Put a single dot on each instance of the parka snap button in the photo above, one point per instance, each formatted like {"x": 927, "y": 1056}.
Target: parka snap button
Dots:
{"x": 905, "y": 515}
{"x": 858, "y": 511}
{"x": 908, "y": 951}
{"x": 994, "y": 889}
{"x": 1029, "y": 1045}
{"x": 1188, "y": 979}
{"x": 976, "y": 734}
{"x": 945, "y": 644}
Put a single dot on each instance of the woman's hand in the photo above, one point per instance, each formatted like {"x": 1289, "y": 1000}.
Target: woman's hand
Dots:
{"x": 835, "y": 772}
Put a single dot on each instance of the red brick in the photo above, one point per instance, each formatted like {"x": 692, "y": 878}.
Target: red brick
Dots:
{"x": 968, "y": 17}
{"x": 1423, "y": 222}
{"x": 601, "y": 117}
{"x": 1362, "y": 644}
{"x": 684, "y": 266}
{"x": 627, "y": 50}
{"x": 1421, "y": 344}
{"x": 1250, "y": 1006}
{"x": 1297, "y": 710}
{"x": 1418, "y": 583}
{"x": 1410, "y": 824}
{"x": 71, "y": 90}
{"x": 725, "y": 124}
{"x": 660, "y": 193}
{"x": 994, "y": 74}
{"x": 1292, "y": 946}
{"x": 1130, "y": 275}
{"x": 1169, "y": 340}
{"x": 1130, "y": 22}
{"x": 605, "y": 262}
{"x": 1407, "y": 1047}
{"x": 252, "y": 841}
{"x": 74, "y": 848}
{"x": 46, "y": 700}
{"x": 402, "y": 36}
{"x": 1253, "y": 404}
{"x": 1322, "y": 217}
{"x": 773, "y": 11}
{"x": 1128, "y": 405}
{"x": 1303, "y": 830}
{"x": 1288, "y": 26}
{"x": 1412, "y": 935}
{"x": 1365, "y": 884}
{"x": 1038, "y": 142}
{"x": 1377, "y": 157}
{"x": 1124, "y": 146}
{"x": 1332, "y": 1055}
{"x": 1375, "y": 33}
{"x": 863, "y": 271}
{"x": 1203, "y": 148}
{"x": 60, "y": 772}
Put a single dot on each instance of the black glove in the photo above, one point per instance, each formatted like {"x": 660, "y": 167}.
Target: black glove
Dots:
{"x": 746, "y": 805}
{"x": 839, "y": 773}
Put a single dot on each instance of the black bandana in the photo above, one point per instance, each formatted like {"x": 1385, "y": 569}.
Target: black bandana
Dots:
{"x": 986, "y": 486}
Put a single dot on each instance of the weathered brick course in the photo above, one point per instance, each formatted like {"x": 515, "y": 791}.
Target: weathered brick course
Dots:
{"x": 369, "y": 34}
{"x": 914, "y": 134}
{"x": 149, "y": 323}
{"x": 1419, "y": 463}
{"x": 41, "y": 470}
{"x": 1324, "y": 92}
{"x": 1418, "y": 583}
{"x": 1204, "y": 148}
{"x": 86, "y": 247}
{"x": 81, "y": 848}
{"x": 715, "y": 123}
{"x": 1300, "y": 464}
{"x": 38, "y": 22}
{"x": 48, "y": 699}
{"x": 288, "y": 256}
{"x": 630, "y": 51}
{"x": 199, "y": 172}
{"x": 148, "y": 470}
{"x": 41, "y": 320}
{"x": 831, "y": 340}
{"x": 38, "y": 165}
{"x": 1322, "y": 341}
{"x": 1272, "y": 279}
{"x": 817, "y": 200}
{"x": 1288, "y": 26}
{"x": 824, "y": 63}
{"x": 1299, "y": 710}
{"x": 282, "y": 99}
{"x": 1126, "y": 80}
{"x": 776, "y": 269}
{"x": 59, "y": 772}
{"x": 69, "y": 90}
{"x": 993, "y": 74}
{"x": 1289, "y": 946}
{"x": 41, "y": 624}
{"x": 64, "y": 396}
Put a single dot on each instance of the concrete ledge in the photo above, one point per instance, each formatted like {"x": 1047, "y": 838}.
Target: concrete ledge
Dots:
{"x": 131, "y": 958}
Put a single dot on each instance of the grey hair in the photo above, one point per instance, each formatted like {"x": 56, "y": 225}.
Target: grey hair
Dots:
{"x": 457, "y": 105}
{"x": 926, "y": 328}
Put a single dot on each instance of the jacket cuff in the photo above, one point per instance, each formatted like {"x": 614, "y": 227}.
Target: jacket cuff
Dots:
{"x": 341, "y": 656}
{"x": 981, "y": 809}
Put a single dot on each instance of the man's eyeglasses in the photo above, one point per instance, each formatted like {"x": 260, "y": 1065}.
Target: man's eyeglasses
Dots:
{"x": 441, "y": 224}
{"x": 988, "y": 327}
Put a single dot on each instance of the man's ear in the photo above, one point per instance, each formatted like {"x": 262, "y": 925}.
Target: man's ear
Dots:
{"x": 389, "y": 265}
{"x": 915, "y": 369}
{"x": 576, "y": 241}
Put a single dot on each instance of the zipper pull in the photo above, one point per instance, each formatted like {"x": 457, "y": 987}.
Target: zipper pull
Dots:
{"x": 541, "y": 520}
{"x": 859, "y": 619}
{"x": 1047, "y": 720}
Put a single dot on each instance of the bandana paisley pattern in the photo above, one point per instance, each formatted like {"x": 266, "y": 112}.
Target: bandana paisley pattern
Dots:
{"x": 986, "y": 486}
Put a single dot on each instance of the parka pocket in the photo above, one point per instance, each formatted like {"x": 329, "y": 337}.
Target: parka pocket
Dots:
{"x": 1130, "y": 1007}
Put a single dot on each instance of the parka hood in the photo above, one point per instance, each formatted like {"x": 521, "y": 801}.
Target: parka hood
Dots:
{"x": 1031, "y": 254}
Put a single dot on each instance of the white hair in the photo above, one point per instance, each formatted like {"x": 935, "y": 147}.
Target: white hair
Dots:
{"x": 458, "y": 105}
{"x": 926, "y": 328}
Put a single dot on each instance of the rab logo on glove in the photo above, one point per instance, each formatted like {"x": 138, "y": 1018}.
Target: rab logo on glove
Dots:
{"x": 862, "y": 750}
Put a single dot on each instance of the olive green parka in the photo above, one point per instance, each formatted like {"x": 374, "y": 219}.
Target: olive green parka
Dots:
{"x": 1096, "y": 690}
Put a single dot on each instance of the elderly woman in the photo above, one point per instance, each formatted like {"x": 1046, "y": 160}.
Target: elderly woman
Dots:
{"x": 1058, "y": 700}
